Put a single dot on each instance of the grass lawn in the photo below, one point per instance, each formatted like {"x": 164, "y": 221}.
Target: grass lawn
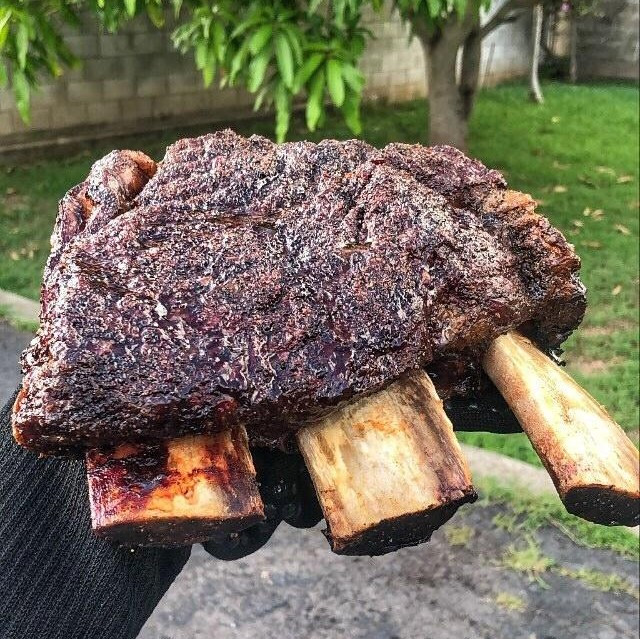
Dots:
{"x": 577, "y": 154}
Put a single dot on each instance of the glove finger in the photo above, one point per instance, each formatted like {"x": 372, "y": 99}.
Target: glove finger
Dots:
{"x": 286, "y": 488}
{"x": 243, "y": 543}
{"x": 306, "y": 511}
{"x": 487, "y": 412}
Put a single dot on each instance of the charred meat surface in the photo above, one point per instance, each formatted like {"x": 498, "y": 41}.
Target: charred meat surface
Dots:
{"x": 240, "y": 281}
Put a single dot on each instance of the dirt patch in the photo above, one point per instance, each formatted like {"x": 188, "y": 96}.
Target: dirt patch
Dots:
{"x": 295, "y": 587}
{"x": 609, "y": 329}
{"x": 13, "y": 201}
{"x": 588, "y": 366}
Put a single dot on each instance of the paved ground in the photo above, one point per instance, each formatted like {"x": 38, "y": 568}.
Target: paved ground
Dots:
{"x": 295, "y": 587}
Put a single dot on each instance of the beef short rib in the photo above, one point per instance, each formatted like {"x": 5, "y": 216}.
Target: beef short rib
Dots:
{"x": 240, "y": 281}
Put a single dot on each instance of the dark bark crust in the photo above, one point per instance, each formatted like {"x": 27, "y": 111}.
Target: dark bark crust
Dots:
{"x": 261, "y": 283}
{"x": 393, "y": 534}
{"x": 603, "y": 505}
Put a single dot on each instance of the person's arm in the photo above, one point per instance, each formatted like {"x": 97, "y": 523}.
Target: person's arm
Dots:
{"x": 57, "y": 580}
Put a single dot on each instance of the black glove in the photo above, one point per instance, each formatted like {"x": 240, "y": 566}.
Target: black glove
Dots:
{"x": 287, "y": 491}
{"x": 288, "y": 495}
{"x": 487, "y": 412}
{"x": 57, "y": 580}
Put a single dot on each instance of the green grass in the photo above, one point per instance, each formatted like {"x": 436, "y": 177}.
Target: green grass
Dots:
{"x": 525, "y": 513}
{"x": 602, "y": 581}
{"x": 459, "y": 535}
{"x": 577, "y": 154}
{"x": 510, "y": 602}
{"x": 529, "y": 559}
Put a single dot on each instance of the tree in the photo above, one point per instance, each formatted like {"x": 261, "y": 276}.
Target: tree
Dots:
{"x": 535, "y": 92}
{"x": 282, "y": 51}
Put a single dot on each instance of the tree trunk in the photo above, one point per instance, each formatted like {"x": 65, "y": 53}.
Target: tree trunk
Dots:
{"x": 450, "y": 103}
{"x": 545, "y": 35}
{"x": 470, "y": 71}
{"x": 573, "y": 44}
{"x": 535, "y": 93}
{"x": 448, "y": 121}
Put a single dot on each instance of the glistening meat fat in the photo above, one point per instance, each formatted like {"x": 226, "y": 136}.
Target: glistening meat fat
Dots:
{"x": 240, "y": 281}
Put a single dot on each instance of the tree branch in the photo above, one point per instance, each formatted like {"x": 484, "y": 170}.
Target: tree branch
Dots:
{"x": 505, "y": 14}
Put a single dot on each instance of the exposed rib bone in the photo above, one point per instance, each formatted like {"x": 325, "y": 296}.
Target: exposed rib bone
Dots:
{"x": 179, "y": 492}
{"x": 387, "y": 468}
{"x": 593, "y": 464}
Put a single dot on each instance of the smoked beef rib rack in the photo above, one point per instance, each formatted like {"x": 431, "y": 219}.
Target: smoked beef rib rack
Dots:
{"x": 320, "y": 296}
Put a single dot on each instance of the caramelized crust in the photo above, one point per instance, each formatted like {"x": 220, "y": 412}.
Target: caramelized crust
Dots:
{"x": 250, "y": 282}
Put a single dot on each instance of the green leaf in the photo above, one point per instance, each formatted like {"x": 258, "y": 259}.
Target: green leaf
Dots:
{"x": 282, "y": 101}
{"x": 219, "y": 40}
{"x": 22, "y": 44}
{"x": 205, "y": 24}
{"x": 307, "y": 70}
{"x": 313, "y": 6}
{"x": 5, "y": 16}
{"x": 260, "y": 96}
{"x": 238, "y": 61}
{"x": 244, "y": 26}
{"x": 201, "y": 54}
{"x": 22, "y": 94}
{"x": 209, "y": 70}
{"x": 338, "y": 10}
{"x": 177, "y": 7}
{"x": 284, "y": 58}
{"x": 259, "y": 39}
{"x": 353, "y": 78}
{"x": 4, "y": 32}
{"x": 320, "y": 47}
{"x": 294, "y": 40}
{"x": 357, "y": 45}
{"x": 314, "y": 108}
{"x": 257, "y": 70}
{"x": 130, "y": 6}
{"x": 434, "y": 7}
{"x": 3, "y": 76}
{"x": 335, "y": 83}
{"x": 351, "y": 112}
{"x": 460, "y": 7}
{"x": 155, "y": 13}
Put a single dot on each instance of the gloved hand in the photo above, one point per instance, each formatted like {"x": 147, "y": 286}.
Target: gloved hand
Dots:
{"x": 59, "y": 581}
{"x": 288, "y": 495}
{"x": 488, "y": 412}
{"x": 287, "y": 491}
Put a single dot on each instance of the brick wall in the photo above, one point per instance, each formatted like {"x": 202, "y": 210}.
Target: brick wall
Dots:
{"x": 134, "y": 80}
{"x": 607, "y": 45}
